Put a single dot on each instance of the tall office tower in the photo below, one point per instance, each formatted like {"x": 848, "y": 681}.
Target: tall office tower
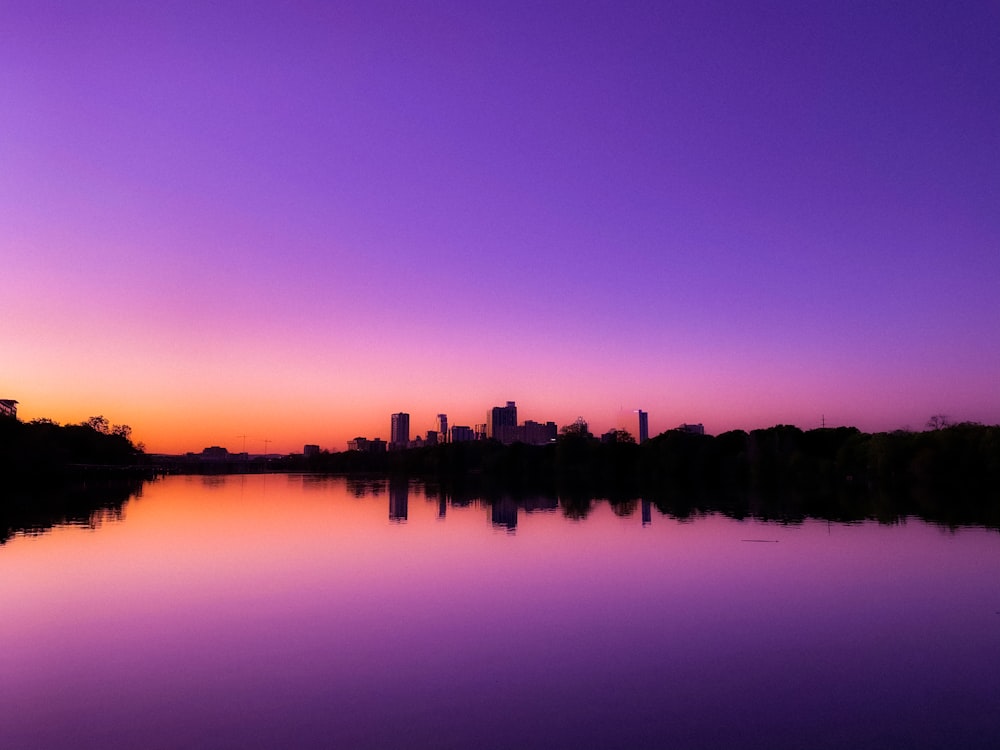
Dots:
{"x": 501, "y": 422}
{"x": 643, "y": 426}
{"x": 462, "y": 434}
{"x": 400, "y": 430}
{"x": 442, "y": 427}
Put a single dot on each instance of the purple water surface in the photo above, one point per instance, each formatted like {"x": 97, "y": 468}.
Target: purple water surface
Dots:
{"x": 287, "y": 611}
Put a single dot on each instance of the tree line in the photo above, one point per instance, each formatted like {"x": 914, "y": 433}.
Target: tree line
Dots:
{"x": 780, "y": 457}
{"x": 41, "y": 447}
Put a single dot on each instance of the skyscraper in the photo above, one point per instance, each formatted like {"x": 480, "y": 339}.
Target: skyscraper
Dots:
{"x": 442, "y": 427}
{"x": 643, "y": 426}
{"x": 501, "y": 422}
{"x": 400, "y": 437}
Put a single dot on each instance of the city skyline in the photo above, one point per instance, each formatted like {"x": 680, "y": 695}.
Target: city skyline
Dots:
{"x": 289, "y": 222}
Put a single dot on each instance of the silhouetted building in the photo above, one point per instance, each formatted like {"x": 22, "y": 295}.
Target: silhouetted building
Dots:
{"x": 366, "y": 446}
{"x": 432, "y": 438}
{"x": 501, "y": 423}
{"x": 694, "y": 429}
{"x": 8, "y": 408}
{"x": 462, "y": 434}
{"x": 643, "y": 426}
{"x": 214, "y": 453}
{"x": 310, "y": 450}
{"x": 400, "y": 436}
{"x": 480, "y": 431}
{"x": 442, "y": 427}
{"x": 536, "y": 433}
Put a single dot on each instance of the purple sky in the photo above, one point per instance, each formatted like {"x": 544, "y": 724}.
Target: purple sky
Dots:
{"x": 289, "y": 220}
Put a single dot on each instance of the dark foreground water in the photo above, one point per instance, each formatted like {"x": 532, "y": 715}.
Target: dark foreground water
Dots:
{"x": 289, "y": 611}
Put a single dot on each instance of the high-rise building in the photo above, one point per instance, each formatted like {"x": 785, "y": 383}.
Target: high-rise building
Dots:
{"x": 400, "y": 435}
{"x": 643, "y": 426}
{"x": 501, "y": 422}
{"x": 462, "y": 434}
{"x": 536, "y": 433}
{"x": 442, "y": 427}
{"x": 366, "y": 446}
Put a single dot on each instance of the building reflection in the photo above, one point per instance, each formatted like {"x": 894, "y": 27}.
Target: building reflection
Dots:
{"x": 503, "y": 513}
{"x": 647, "y": 512}
{"x": 399, "y": 499}
{"x": 504, "y": 510}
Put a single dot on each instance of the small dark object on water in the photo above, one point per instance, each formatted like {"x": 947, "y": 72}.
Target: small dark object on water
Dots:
{"x": 769, "y": 541}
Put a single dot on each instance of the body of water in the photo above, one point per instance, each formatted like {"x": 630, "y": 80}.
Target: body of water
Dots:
{"x": 296, "y": 611}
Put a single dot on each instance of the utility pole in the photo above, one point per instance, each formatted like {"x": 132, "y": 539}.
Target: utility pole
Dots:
{"x": 266, "y": 443}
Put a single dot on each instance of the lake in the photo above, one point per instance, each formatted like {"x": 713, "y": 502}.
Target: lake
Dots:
{"x": 301, "y": 611}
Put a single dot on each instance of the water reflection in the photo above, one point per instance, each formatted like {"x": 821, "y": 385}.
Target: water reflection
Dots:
{"x": 504, "y": 508}
{"x": 35, "y": 509}
{"x": 503, "y": 513}
{"x": 287, "y": 612}
{"x": 399, "y": 499}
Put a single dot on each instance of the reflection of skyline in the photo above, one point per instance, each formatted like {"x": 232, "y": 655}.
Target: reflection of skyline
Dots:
{"x": 320, "y": 619}
{"x": 503, "y": 513}
{"x": 399, "y": 499}
{"x": 504, "y": 510}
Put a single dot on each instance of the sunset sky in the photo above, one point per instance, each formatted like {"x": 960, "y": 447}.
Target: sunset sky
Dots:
{"x": 288, "y": 220}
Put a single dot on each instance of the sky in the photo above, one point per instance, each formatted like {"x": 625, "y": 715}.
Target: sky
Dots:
{"x": 288, "y": 220}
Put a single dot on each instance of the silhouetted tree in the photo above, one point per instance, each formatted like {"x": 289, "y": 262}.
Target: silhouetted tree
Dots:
{"x": 99, "y": 424}
{"x": 938, "y": 422}
{"x": 620, "y": 436}
{"x": 576, "y": 429}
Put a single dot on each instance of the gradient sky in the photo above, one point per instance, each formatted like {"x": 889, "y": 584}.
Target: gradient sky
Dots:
{"x": 288, "y": 220}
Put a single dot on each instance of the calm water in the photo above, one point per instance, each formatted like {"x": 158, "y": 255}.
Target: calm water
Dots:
{"x": 289, "y": 611}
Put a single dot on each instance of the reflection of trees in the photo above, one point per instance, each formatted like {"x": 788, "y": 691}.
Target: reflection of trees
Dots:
{"x": 622, "y": 508}
{"x": 361, "y": 487}
{"x": 214, "y": 481}
{"x": 576, "y": 505}
{"x": 36, "y": 509}
{"x": 852, "y": 504}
